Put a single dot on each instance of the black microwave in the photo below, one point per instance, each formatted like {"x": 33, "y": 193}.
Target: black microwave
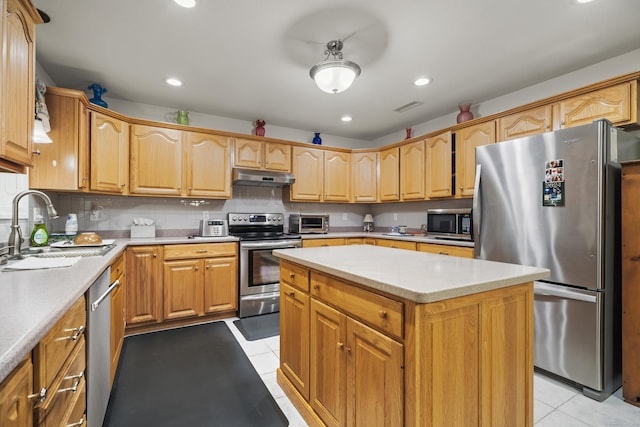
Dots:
{"x": 454, "y": 224}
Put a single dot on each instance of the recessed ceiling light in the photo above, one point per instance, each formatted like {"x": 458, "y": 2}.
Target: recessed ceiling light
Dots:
{"x": 582, "y": 1}
{"x": 186, "y": 3}
{"x": 423, "y": 81}
{"x": 173, "y": 81}
{"x": 346, "y": 118}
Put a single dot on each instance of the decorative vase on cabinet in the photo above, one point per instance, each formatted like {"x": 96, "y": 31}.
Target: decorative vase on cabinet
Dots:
{"x": 316, "y": 139}
{"x": 464, "y": 114}
{"x": 183, "y": 117}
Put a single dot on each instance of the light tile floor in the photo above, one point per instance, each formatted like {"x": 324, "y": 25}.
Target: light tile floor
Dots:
{"x": 555, "y": 403}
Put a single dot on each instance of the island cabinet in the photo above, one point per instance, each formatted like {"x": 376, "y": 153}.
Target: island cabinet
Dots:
{"x": 109, "y": 154}
{"x": 64, "y": 164}
{"x": 438, "y": 166}
{"x": 199, "y": 279}
{"x": 389, "y": 183}
{"x": 364, "y": 177}
{"x": 144, "y": 266}
{"x": 16, "y": 409}
{"x": 267, "y": 155}
{"x": 467, "y": 139}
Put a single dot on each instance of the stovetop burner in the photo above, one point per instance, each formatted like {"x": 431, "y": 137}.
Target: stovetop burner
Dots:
{"x": 258, "y": 226}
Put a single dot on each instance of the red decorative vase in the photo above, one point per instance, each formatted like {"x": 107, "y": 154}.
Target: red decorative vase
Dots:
{"x": 408, "y": 133}
{"x": 260, "y": 127}
{"x": 464, "y": 114}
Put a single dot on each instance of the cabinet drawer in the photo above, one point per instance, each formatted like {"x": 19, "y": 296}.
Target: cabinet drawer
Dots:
{"x": 52, "y": 351}
{"x": 295, "y": 275}
{"x": 317, "y": 243}
{"x": 117, "y": 267}
{"x": 388, "y": 243}
{"x": 452, "y": 250}
{"x": 378, "y": 311}
{"x": 200, "y": 250}
{"x": 68, "y": 395}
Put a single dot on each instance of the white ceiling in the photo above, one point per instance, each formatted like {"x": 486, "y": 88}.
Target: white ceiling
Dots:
{"x": 250, "y": 59}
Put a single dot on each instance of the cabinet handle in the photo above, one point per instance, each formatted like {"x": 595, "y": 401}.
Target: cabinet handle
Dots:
{"x": 73, "y": 388}
{"x": 340, "y": 345}
{"x": 207, "y": 267}
{"x": 443, "y": 253}
{"x": 292, "y": 275}
{"x": 155, "y": 255}
{"x": 348, "y": 349}
{"x": 76, "y": 334}
{"x": 122, "y": 185}
{"x": 461, "y": 188}
{"x": 316, "y": 287}
{"x": 37, "y": 152}
{"x": 383, "y": 314}
{"x": 189, "y": 188}
{"x": 179, "y": 188}
{"x": 79, "y": 423}
{"x": 41, "y": 395}
{"x": 292, "y": 294}
{"x": 197, "y": 268}
{"x": 202, "y": 251}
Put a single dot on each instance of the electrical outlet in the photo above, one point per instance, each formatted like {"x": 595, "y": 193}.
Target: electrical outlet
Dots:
{"x": 395, "y": 216}
{"x": 345, "y": 217}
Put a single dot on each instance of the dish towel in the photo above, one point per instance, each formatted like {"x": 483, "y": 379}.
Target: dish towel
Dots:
{"x": 35, "y": 263}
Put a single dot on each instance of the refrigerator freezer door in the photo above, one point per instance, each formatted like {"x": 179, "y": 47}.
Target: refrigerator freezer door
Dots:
{"x": 567, "y": 333}
{"x": 515, "y": 227}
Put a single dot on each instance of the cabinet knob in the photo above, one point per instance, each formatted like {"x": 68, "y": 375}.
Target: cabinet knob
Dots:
{"x": 122, "y": 185}
{"x": 155, "y": 255}
{"x": 292, "y": 275}
{"x": 316, "y": 287}
{"x": 383, "y": 314}
{"x": 348, "y": 349}
{"x": 461, "y": 188}
{"x": 340, "y": 345}
{"x": 292, "y": 294}
{"x": 207, "y": 267}
{"x": 197, "y": 268}
{"x": 202, "y": 251}
{"x": 189, "y": 188}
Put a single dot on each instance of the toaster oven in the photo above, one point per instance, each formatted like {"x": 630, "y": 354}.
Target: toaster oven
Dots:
{"x": 308, "y": 223}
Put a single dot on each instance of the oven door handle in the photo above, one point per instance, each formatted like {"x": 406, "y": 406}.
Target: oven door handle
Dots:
{"x": 280, "y": 244}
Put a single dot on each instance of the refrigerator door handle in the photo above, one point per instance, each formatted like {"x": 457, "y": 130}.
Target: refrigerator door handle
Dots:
{"x": 476, "y": 212}
{"x": 563, "y": 292}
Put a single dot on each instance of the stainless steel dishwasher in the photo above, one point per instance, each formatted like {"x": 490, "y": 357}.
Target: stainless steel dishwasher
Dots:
{"x": 98, "y": 347}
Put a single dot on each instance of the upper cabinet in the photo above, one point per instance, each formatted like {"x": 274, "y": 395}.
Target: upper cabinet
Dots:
{"x": 364, "y": 176}
{"x": 109, "y": 154}
{"x": 208, "y": 172}
{"x": 412, "y": 171}
{"x": 17, "y": 85}
{"x": 438, "y": 165}
{"x": 337, "y": 176}
{"x": 64, "y": 164}
{"x": 467, "y": 139}
{"x": 255, "y": 154}
{"x": 389, "y": 184}
{"x": 307, "y": 165}
{"x": 618, "y": 104}
{"x": 525, "y": 123}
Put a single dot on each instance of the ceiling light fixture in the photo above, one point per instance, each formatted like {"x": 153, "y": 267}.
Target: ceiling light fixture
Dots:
{"x": 422, "y": 81}
{"x": 186, "y": 3}
{"x": 172, "y": 81}
{"x": 346, "y": 118}
{"x": 334, "y": 75}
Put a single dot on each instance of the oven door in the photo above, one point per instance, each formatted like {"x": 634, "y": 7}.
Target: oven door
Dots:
{"x": 260, "y": 276}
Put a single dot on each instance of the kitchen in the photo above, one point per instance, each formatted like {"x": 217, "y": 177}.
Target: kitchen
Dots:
{"x": 113, "y": 214}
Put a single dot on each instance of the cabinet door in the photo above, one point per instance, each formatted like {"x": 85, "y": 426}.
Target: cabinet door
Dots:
{"x": 156, "y": 161}
{"x": 18, "y": 83}
{"x": 117, "y": 326}
{"x": 144, "y": 292}
{"x": 390, "y": 174}
{"x": 294, "y": 337}
{"x": 467, "y": 139}
{"x": 612, "y": 103}
{"x": 375, "y": 385}
{"x": 220, "y": 284}
{"x": 208, "y": 165}
{"x": 109, "y": 154}
{"x": 183, "y": 289}
{"x": 308, "y": 168}
{"x": 438, "y": 167}
{"x": 63, "y": 164}
{"x": 412, "y": 171}
{"x": 248, "y": 153}
{"x": 15, "y": 408}
{"x": 525, "y": 123}
{"x": 277, "y": 156}
{"x": 337, "y": 176}
{"x": 328, "y": 364}
{"x": 364, "y": 177}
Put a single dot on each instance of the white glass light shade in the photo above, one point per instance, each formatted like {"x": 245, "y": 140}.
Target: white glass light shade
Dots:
{"x": 368, "y": 218}
{"x": 334, "y": 76}
{"x": 39, "y": 135}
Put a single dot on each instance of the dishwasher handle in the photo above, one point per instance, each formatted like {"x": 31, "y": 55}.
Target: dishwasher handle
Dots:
{"x": 112, "y": 287}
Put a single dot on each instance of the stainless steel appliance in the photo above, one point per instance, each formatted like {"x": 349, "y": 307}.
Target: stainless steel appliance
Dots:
{"x": 305, "y": 223}
{"x": 262, "y": 178}
{"x": 258, "y": 269}
{"x": 453, "y": 224}
{"x": 213, "y": 228}
{"x": 552, "y": 201}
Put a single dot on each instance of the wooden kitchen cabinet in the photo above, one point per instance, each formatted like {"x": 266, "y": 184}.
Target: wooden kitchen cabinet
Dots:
{"x": 467, "y": 139}
{"x": 16, "y": 409}
{"x": 398, "y": 244}
{"x": 526, "y": 123}
{"x": 257, "y": 154}
{"x": 183, "y": 289}
{"x": 337, "y": 176}
{"x": 618, "y": 104}
{"x": 438, "y": 166}
{"x": 364, "y": 177}
{"x": 208, "y": 170}
{"x": 307, "y": 165}
{"x": 156, "y": 166}
{"x": 453, "y": 250}
{"x": 144, "y": 266}
{"x": 17, "y": 86}
{"x": 294, "y": 323}
{"x": 316, "y": 243}
{"x": 412, "y": 171}
{"x": 221, "y": 284}
{"x": 109, "y": 154}
{"x": 118, "y": 312}
{"x": 64, "y": 164}
{"x": 389, "y": 183}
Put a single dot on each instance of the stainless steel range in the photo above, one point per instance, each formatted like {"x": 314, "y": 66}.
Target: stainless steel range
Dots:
{"x": 258, "y": 269}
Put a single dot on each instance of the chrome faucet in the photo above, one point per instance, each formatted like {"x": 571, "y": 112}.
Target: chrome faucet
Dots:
{"x": 15, "y": 238}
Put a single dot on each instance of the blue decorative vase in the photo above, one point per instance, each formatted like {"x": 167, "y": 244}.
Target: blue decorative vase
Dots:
{"x": 316, "y": 139}
{"x": 97, "y": 94}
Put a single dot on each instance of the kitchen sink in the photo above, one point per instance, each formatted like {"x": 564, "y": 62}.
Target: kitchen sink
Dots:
{"x": 49, "y": 252}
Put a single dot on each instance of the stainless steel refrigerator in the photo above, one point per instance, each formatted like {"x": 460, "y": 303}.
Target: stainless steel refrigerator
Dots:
{"x": 553, "y": 200}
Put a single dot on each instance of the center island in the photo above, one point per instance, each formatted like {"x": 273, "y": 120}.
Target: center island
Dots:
{"x": 374, "y": 336}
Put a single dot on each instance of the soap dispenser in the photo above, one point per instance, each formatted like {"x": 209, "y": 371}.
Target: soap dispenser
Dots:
{"x": 39, "y": 235}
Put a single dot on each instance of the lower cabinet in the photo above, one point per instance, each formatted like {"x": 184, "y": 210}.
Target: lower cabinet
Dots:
{"x": 461, "y": 251}
{"x": 118, "y": 313}
{"x": 314, "y": 243}
{"x": 398, "y": 244}
{"x": 16, "y": 409}
{"x": 144, "y": 292}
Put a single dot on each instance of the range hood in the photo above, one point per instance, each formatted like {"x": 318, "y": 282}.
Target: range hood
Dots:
{"x": 262, "y": 178}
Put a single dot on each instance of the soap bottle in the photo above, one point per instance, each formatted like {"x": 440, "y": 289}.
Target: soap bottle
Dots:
{"x": 39, "y": 235}
{"x": 71, "y": 226}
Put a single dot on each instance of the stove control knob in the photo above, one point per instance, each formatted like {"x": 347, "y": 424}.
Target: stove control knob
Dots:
{"x": 279, "y": 218}
{"x": 234, "y": 218}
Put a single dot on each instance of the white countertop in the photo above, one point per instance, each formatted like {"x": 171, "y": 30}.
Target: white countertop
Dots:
{"x": 416, "y": 276}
